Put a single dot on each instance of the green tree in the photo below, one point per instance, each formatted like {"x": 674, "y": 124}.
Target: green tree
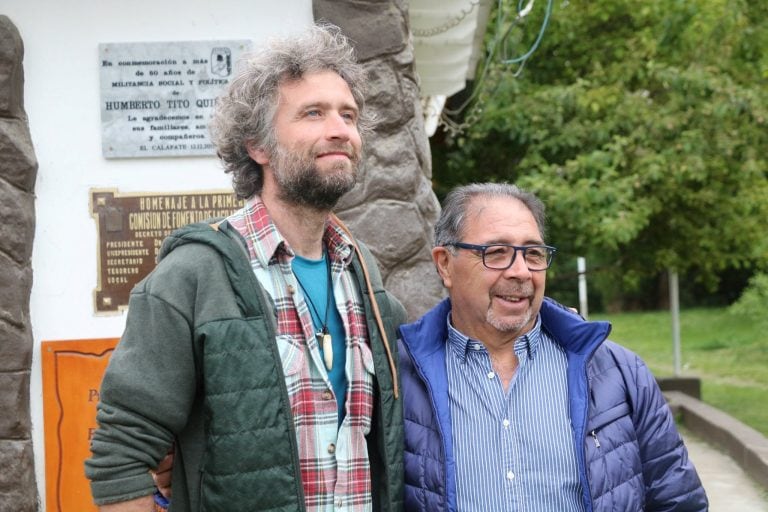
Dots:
{"x": 644, "y": 128}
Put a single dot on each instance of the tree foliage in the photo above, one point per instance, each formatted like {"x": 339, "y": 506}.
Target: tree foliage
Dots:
{"x": 644, "y": 128}
{"x": 752, "y": 302}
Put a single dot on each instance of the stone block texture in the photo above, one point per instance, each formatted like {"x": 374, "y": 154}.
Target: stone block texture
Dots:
{"x": 392, "y": 209}
{"x": 18, "y": 171}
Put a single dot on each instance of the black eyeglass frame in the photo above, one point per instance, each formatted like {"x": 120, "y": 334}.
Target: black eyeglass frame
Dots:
{"x": 522, "y": 248}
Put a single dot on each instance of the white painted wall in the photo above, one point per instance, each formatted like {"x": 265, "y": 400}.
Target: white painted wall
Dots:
{"x": 62, "y": 101}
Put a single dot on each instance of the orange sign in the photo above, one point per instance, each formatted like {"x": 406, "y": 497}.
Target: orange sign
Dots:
{"x": 72, "y": 372}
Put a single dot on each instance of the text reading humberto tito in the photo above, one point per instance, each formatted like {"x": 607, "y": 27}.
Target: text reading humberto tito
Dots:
{"x": 157, "y": 98}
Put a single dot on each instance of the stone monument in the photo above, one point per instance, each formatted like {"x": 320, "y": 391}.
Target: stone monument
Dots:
{"x": 18, "y": 171}
{"x": 392, "y": 209}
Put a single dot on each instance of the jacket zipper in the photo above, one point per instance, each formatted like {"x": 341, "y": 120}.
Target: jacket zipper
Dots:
{"x": 594, "y": 436}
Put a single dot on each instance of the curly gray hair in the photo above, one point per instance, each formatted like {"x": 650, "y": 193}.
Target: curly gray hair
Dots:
{"x": 245, "y": 112}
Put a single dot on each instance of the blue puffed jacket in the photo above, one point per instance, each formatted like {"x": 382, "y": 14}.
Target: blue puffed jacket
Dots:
{"x": 632, "y": 457}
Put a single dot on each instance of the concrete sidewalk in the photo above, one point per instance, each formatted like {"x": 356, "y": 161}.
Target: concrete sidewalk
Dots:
{"x": 728, "y": 487}
{"x": 731, "y": 457}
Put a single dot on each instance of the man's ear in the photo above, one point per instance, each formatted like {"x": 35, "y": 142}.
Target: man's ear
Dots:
{"x": 257, "y": 153}
{"x": 442, "y": 257}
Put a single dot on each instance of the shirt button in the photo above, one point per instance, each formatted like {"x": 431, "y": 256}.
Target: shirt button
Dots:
{"x": 339, "y": 503}
{"x": 491, "y": 375}
{"x": 505, "y": 423}
{"x": 327, "y": 395}
{"x": 331, "y": 448}
{"x": 477, "y": 346}
{"x": 291, "y": 289}
{"x": 510, "y": 475}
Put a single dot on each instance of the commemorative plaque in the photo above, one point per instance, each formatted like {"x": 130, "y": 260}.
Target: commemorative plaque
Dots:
{"x": 72, "y": 372}
{"x": 131, "y": 228}
{"x": 157, "y": 98}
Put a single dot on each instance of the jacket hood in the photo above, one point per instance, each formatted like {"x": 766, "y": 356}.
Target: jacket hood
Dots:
{"x": 570, "y": 330}
{"x": 199, "y": 232}
{"x": 225, "y": 240}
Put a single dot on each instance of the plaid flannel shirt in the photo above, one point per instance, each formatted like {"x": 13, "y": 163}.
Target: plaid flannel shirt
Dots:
{"x": 335, "y": 468}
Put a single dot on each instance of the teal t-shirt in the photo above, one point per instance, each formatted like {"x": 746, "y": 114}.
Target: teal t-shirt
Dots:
{"x": 313, "y": 276}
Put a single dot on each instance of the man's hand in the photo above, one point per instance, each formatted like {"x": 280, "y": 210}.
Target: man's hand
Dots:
{"x": 162, "y": 474}
{"x": 162, "y": 477}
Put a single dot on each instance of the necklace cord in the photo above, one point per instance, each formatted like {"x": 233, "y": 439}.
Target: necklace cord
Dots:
{"x": 308, "y": 300}
{"x": 374, "y": 305}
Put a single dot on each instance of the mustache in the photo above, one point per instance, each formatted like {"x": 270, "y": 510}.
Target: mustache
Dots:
{"x": 518, "y": 290}
{"x": 342, "y": 147}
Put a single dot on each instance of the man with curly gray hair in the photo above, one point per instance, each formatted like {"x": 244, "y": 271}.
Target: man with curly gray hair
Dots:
{"x": 244, "y": 115}
{"x": 257, "y": 351}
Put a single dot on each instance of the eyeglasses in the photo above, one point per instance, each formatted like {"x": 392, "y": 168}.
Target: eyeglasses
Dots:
{"x": 502, "y": 256}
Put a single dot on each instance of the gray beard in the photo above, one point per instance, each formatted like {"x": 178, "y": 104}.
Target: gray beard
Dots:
{"x": 510, "y": 326}
{"x": 506, "y": 325}
{"x": 303, "y": 184}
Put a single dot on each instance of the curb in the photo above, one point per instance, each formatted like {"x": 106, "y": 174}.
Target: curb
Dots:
{"x": 745, "y": 445}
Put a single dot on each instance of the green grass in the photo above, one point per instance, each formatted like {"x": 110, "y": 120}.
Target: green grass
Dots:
{"x": 728, "y": 353}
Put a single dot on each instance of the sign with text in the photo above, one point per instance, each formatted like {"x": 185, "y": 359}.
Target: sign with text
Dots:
{"x": 131, "y": 228}
{"x": 157, "y": 98}
{"x": 72, "y": 372}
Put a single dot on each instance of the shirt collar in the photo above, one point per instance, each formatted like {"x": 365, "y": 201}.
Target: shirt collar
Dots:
{"x": 525, "y": 346}
{"x": 269, "y": 246}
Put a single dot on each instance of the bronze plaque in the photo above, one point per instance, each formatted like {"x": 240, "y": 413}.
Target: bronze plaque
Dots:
{"x": 131, "y": 228}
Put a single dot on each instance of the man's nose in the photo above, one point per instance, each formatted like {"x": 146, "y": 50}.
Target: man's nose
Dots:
{"x": 518, "y": 269}
{"x": 339, "y": 127}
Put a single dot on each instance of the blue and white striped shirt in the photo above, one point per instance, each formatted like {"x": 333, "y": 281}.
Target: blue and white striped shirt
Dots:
{"x": 514, "y": 450}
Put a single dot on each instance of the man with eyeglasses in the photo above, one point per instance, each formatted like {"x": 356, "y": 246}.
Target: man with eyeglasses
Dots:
{"x": 514, "y": 402}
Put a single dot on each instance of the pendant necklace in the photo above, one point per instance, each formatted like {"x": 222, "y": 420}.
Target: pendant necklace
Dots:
{"x": 323, "y": 335}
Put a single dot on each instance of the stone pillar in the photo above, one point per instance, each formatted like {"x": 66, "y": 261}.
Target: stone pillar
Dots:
{"x": 392, "y": 209}
{"x": 18, "y": 171}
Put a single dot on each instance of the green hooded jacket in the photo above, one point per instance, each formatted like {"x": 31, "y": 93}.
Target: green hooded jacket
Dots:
{"x": 197, "y": 366}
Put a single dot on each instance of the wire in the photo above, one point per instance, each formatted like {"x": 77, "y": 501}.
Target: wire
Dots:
{"x": 500, "y": 41}
{"x": 521, "y": 14}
